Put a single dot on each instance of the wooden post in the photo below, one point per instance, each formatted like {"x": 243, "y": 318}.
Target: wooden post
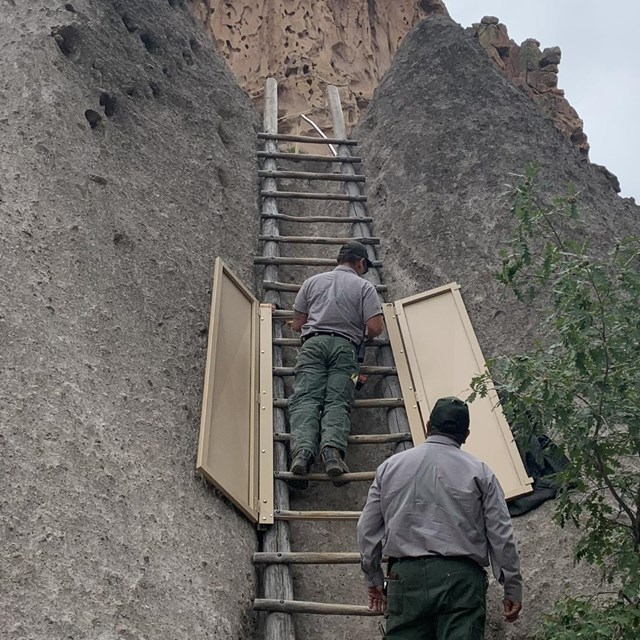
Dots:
{"x": 277, "y": 580}
{"x": 396, "y": 417}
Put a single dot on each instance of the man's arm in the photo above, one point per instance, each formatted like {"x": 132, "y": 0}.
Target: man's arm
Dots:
{"x": 375, "y": 326}
{"x": 505, "y": 561}
{"x": 370, "y": 531}
{"x": 371, "y": 311}
{"x": 300, "y": 308}
{"x": 299, "y": 320}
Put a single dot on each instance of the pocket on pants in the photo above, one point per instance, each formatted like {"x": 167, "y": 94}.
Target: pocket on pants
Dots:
{"x": 395, "y": 597}
{"x": 466, "y": 589}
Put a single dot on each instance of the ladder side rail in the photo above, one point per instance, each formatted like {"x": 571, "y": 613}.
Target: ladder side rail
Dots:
{"x": 278, "y": 584}
{"x": 396, "y": 417}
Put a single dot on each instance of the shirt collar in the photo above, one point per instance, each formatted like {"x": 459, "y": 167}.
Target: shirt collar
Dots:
{"x": 342, "y": 267}
{"x": 438, "y": 439}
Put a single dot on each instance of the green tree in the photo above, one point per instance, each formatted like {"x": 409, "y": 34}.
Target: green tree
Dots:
{"x": 580, "y": 384}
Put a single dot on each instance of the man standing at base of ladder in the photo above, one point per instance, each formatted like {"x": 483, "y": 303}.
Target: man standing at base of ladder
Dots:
{"x": 442, "y": 516}
{"x": 335, "y": 312}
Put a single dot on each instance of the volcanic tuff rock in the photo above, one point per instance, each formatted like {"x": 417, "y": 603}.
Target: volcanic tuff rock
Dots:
{"x": 127, "y": 164}
{"x": 439, "y": 170}
{"x": 307, "y": 44}
{"x": 533, "y": 71}
{"x": 444, "y": 136}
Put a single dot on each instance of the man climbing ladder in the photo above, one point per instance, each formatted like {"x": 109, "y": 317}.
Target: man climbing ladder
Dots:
{"x": 335, "y": 311}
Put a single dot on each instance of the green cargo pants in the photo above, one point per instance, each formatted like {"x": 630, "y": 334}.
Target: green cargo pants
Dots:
{"x": 325, "y": 375}
{"x": 436, "y": 598}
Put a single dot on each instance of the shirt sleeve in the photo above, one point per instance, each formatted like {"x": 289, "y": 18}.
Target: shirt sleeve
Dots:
{"x": 301, "y": 302}
{"x": 503, "y": 553}
{"x": 370, "y": 302}
{"x": 370, "y": 534}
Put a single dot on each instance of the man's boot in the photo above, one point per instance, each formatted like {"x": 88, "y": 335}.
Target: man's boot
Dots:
{"x": 300, "y": 466}
{"x": 334, "y": 464}
{"x": 301, "y": 462}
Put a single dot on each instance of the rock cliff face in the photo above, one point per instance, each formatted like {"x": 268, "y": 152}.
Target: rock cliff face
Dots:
{"x": 535, "y": 72}
{"x": 307, "y": 44}
{"x": 442, "y": 139}
{"x": 127, "y": 164}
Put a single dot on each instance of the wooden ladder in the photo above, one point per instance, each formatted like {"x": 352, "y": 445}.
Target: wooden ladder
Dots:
{"x": 277, "y": 556}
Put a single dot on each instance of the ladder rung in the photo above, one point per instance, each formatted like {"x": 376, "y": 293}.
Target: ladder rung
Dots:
{"x": 356, "y": 476}
{"x": 366, "y": 370}
{"x": 376, "y": 438}
{"x": 308, "y": 262}
{"x": 308, "y": 195}
{"x": 309, "y": 175}
{"x": 285, "y": 286}
{"x": 316, "y": 240}
{"x": 282, "y": 514}
{"x": 295, "y": 342}
{"x": 322, "y": 608}
{"x": 336, "y": 219}
{"x": 306, "y": 557}
{"x": 285, "y": 137}
{"x": 307, "y": 157}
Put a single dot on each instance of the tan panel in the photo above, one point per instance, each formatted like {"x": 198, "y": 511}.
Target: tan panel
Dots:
{"x": 227, "y": 451}
{"x": 265, "y": 490}
{"x": 404, "y": 375}
{"x": 444, "y": 354}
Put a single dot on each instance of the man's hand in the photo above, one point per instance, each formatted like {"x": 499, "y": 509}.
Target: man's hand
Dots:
{"x": 511, "y": 610}
{"x": 376, "y": 600}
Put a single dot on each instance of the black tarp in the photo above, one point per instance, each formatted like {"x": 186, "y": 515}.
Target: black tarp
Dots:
{"x": 542, "y": 460}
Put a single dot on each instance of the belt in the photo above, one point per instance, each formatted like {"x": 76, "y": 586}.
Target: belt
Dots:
{"x": 437, "y": 557}
{"x": 313, "y": 334}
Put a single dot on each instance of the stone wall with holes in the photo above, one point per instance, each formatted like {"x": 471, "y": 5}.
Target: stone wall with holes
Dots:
{"x": 127, "y": 165}
{"x": 308, "y": 44}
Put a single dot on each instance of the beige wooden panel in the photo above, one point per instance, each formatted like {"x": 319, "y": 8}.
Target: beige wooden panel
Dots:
{"x": 227, "y": 451}
{"x": 265, "y": 390}
{"x": 444, "y": 354}
{"x": 418, "y": 433}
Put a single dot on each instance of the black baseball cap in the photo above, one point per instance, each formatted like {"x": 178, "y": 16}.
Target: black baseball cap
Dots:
{"x": 452, "y": 412}
{"x": 356, "y": 248}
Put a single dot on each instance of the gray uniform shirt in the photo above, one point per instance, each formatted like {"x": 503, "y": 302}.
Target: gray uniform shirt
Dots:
{"x": 436, "y": 499}
{"x": 338, "y": 300}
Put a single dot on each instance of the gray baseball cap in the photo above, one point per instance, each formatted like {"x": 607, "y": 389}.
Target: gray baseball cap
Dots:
{"x": 357, "y": 248}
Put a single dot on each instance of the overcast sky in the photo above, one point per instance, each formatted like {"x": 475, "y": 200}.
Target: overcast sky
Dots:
{"x": 600, "y": 68}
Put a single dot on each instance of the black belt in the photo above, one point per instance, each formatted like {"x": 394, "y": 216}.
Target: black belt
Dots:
{"x": 313, "y": 334}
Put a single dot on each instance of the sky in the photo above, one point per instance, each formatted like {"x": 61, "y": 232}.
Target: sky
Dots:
{"x": 599, "y": 71}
